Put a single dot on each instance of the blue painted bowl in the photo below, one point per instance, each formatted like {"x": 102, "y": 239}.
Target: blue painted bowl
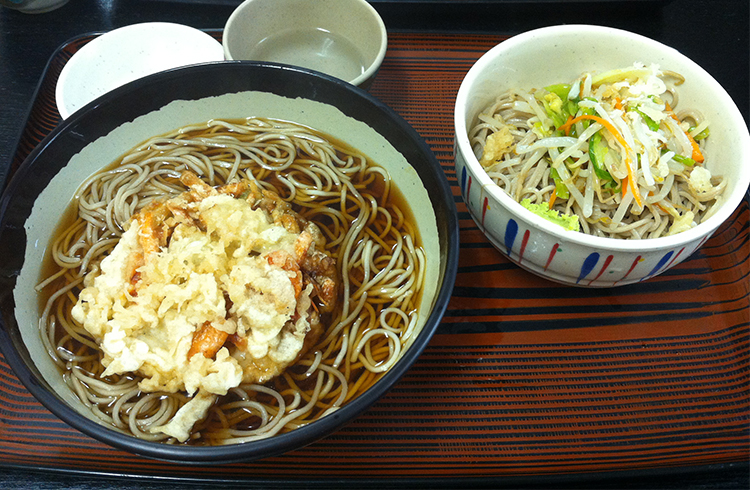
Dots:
{"x": 553, "y": 54}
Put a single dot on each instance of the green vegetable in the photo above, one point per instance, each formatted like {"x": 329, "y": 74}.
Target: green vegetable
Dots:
{"x": 598, "y": 150}
{"x": 613, "y": 186}
{"x": 560, "y": 188}
{"x": 565, "y": 220}
{"x": 559, "y": 89}
{"x": 539, "y": 129}
{"x": 688, "y": 162}
{"x": 553, "y": 106}
{"x": 619, "y": 74}
{"x": 571, "y": 107}
{"x": 652, "y": 125}
{"x": 702, "y": 135}
{"x": 564, "y": 108}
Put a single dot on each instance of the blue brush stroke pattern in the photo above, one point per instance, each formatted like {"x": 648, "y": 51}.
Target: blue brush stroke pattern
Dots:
{"x": 661, "y": 263}
{"x": 588, "y": 265}
{"x": 463, "y": 179}
{"x": 510, "y": 234}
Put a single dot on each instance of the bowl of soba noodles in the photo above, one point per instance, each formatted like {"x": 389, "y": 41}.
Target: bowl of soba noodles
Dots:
{"x": 596, "y": 157}
{"x": 223, "y": 262}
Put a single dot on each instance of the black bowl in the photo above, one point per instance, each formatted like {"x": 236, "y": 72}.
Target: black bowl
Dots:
{"x": 93, "y": 128}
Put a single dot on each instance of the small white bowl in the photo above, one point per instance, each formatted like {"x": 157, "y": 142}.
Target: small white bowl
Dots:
{"x": 129, "y": 53}
{"x": 556, "y": 54}
{"x": 342, "y": 38}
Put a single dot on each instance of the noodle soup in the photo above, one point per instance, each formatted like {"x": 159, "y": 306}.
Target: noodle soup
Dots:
{"x": 366, "y": 233}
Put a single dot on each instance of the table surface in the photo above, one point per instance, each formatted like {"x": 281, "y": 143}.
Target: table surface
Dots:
{"x": 713, "y": 33}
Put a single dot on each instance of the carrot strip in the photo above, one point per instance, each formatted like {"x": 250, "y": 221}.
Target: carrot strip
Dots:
{"x": 697, "y": 153}
{"x": 613, "y": 130}
{"x": 552, "y": 198}
{"x": 567, "y": 124}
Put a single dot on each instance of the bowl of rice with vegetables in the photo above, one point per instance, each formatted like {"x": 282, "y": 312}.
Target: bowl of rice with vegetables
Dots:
{"x": 596, "y": 157}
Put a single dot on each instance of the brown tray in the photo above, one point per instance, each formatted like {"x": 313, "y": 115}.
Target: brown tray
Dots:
{"x": 524, "y": 378}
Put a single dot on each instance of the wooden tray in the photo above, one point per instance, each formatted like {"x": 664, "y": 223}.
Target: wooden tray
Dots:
{"x": 525, "y": 379}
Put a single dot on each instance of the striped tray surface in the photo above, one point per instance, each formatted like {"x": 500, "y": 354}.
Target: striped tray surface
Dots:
{"x": 524, "y": 378}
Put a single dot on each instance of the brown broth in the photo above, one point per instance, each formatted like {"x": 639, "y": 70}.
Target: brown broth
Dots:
{"x": 377, "y": 188}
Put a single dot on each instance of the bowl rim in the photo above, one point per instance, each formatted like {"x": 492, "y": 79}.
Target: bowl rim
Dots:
{"x": 281, "y": 443}
{"x": 369, "y": 71}
{"x": 463, "y": 145}
{"x": 375, "y": 65}
{"x": 168, "y": 31}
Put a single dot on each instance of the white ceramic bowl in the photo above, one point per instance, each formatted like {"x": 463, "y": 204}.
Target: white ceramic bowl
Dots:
{"x": 342, "y": 38}
{"x": 126, "y": 54}
{"x": 557, "y": 54}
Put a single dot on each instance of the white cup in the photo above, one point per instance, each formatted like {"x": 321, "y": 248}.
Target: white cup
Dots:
{"x": 342, "y": 38}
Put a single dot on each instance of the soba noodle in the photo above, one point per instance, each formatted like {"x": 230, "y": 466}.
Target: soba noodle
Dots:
{"x": 352, "y": 201}
{"x": 607, "y": 149}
